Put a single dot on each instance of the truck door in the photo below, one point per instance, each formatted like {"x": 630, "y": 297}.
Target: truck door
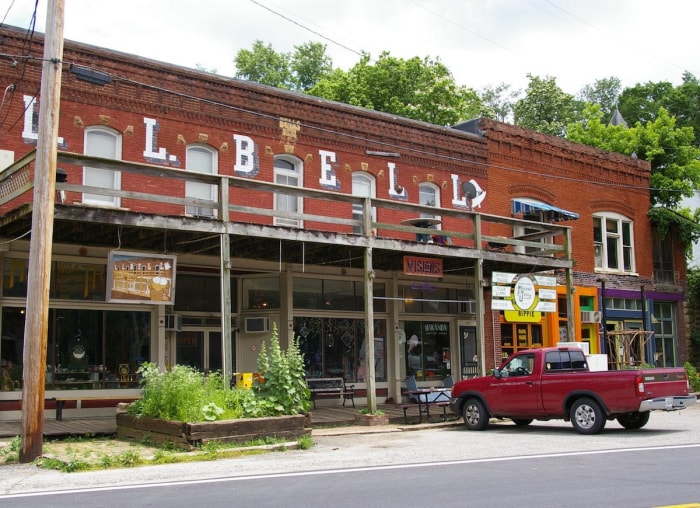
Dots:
{"x": 518, "y": 388}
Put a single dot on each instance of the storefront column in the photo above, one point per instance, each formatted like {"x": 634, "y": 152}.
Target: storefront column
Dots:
{"x": 226, "y": 357}
{"x": 480, "y": 311}
{"x": 369, "y": 308}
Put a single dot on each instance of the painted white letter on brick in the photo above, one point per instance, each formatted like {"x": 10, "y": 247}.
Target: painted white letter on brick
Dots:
{"x": 151, "y": 130}
{"x": 456, "y": 200}
{"x": 395, "y": 190}
{"x": 328, "y": 178}
{"x": 30, "y": 119}
{"x": 245, "y": 155}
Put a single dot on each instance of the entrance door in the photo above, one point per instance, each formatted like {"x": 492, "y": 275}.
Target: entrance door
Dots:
{"x": 469, "y": 351}
{"x": 200, "y": 349}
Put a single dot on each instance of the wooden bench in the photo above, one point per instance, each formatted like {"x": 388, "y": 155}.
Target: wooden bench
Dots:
{"x": 61, "y": 401}
{"x": 330, "y": 387}
{"x": 424, "y": 408}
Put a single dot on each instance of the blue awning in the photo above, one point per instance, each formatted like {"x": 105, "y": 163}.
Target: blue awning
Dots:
{"x": 550, "y": 213}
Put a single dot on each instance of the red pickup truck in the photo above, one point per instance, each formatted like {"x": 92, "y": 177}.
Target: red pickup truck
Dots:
{"x": 555, "y": 383}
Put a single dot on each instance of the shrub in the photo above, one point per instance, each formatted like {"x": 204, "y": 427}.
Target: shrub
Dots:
{"x": 187, "y": 395}
{"x": 693, "y": 377}
{"x": 283, "y": 382}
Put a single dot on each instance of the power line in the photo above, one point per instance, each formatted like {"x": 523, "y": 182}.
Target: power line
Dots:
{"x": 359, "y": 53}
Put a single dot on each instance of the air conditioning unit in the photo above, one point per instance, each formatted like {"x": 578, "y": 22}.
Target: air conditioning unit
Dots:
{"x": 590, "y": 317}
{"x": 256, "y": 324}
{"x": 173, "y": 322}
{"x": 467, "y": 307}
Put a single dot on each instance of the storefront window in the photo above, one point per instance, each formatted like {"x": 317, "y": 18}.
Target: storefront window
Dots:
{"x": 201, "y": 293}
{"x": 261, "y": 293}
{"x": 331, "y": 294}
{"x": 69, "y": 281}
{"x": 336, "y": 347}
{"x": 96, "y": 348}
{"x": 427, "y": 349}
{"x": 425, "y": 297}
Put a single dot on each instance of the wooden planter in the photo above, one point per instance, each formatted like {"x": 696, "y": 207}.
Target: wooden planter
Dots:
{"x": 189, "y": 435}
{"x": 363, "y": 419}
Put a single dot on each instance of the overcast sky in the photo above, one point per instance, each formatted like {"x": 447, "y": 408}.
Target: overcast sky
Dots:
{"x": 483, "y": 42}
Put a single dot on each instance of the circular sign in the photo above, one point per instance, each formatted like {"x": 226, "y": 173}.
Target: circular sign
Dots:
{"x": 524, "y": 296}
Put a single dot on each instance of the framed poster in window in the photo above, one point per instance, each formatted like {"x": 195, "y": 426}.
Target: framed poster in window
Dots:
{"x": 135, "y": 277}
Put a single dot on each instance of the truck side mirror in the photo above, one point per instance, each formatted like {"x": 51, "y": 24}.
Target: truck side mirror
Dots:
{"x": 496, "y": 373}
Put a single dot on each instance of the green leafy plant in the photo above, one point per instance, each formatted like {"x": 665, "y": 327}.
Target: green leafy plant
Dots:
{"x": 367, "y": 411}
{"x": 693, "y": 377}
{"x": 283, "y": 382}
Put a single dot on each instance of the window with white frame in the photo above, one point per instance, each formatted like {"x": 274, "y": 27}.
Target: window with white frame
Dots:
{"x": 201, "y": 159}
{"x": 105, "y": 143}
{"x": 613, "y": 242}
{"x": 288, "y": 171}
{"x": 363, "y": 185}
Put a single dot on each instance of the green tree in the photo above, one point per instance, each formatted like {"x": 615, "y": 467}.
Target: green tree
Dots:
{"x": 675, "y": 164}
{"x": 298, "y": 71}
{"x": 309, "y": 64}
{"x": 262, "y": 64}
{"x": 545, "y": 107}
{"x": 422, "y": 89}
{"x": 603, "y": 92}
{"x": 498, "y": 102}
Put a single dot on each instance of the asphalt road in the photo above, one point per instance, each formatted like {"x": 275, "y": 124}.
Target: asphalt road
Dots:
{"x": 545, "y": 464}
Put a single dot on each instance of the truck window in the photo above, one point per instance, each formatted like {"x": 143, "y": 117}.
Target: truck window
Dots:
{"x": 560, "y": 360}
{"x": 520, "y": 365}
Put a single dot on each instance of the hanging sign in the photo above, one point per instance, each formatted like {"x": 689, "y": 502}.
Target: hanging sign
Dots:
{"x": 135, "y": 277}
{"x": 523, "y": 298}
{"x": 426, "y": 267}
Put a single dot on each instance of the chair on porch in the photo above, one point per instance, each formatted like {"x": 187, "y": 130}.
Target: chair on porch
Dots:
{"x": 411, "y": 386}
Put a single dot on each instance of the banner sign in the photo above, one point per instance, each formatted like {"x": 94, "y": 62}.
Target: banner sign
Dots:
{"x": 426, "y": 267}
{"x": 134, "y": 277}
{"x": 523, "y": 297}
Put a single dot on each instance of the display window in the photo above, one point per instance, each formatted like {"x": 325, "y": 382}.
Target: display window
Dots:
{"x": 427, "y": 349}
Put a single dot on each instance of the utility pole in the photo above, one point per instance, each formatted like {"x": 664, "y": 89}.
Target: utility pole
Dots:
{"x": 38, "y": 281}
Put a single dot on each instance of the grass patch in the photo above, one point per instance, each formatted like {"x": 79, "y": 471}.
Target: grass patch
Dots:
{"x": 90, "y": 453}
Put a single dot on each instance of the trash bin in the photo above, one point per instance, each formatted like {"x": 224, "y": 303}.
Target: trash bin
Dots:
{"x": 244, "y": 380}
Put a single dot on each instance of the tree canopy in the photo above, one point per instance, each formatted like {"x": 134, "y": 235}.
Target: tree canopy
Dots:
{"x": 422, "y": 89}
{"x": 545, "y": 107}
{"x": 297, "y": 71}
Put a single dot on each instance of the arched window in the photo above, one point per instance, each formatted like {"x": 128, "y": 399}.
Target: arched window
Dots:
{"x": 106, "y": 143}
{"x": 363, "y": 185}
{"x": 429, "y": 195}
{"x": 201, "y": 159}
{"x": 288, "y": 171}
{"x": 613, "y": 242}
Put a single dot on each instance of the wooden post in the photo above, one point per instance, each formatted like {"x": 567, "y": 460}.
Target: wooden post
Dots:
{"x": 369, "y": 309}
{"x": 37, "y": 315}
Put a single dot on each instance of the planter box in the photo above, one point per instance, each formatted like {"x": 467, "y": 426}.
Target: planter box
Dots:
{"x": 189, "y": 435}
{"x": 372, "y": 419}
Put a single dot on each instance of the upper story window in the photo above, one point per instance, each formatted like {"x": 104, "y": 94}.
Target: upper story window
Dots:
{"x": 663, "y": 260}
{"x": 363, "y": 185}
{"x": 201, "y": 159}
{"x": 288, "y": 171}
{"x": 105, "y": 143}
{"x": 613, "y": 242}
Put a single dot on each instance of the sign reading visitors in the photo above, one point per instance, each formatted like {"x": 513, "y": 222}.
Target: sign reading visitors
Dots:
{"x": 427, "y": 267}
{"x": 523, "y": 297}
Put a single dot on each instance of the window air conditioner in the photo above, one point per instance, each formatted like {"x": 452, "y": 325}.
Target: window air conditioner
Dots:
{"x": 173, "y": 322}
{"x": 590, "y": 317}
{"x": 257, "y": 324}
{"x": 467, "y": 307}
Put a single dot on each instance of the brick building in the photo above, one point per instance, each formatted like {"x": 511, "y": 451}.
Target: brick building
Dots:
{"x": 184, "y": 197}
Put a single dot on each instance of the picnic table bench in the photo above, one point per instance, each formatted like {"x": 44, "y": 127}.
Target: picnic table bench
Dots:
{"x": 62, "y": 399}
{"x": 330, "y": 387}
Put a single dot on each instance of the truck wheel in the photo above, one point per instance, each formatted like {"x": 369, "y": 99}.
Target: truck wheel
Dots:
{"x": 633, "y": 421}
{"x": 587, "y": 417}
{"x": 522, "y": 422}
{"x": 475, "y": 415}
